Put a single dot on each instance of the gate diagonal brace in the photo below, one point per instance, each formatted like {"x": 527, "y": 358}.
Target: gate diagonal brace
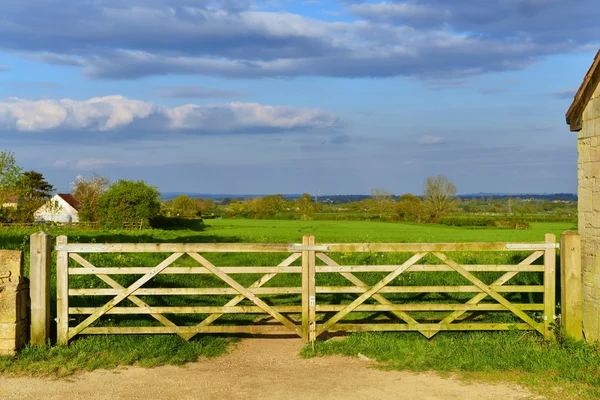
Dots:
{"x": 480, "y": 296}
{"x": 133, "y": 298}
{"x": 245, "y": 292}
{"x": 377, "y": 297}
{"x": 123, "y": 295}
{"x": 373, "y": 290}
{"x": 496, "y": 296}
{"x": 239, "y": 298}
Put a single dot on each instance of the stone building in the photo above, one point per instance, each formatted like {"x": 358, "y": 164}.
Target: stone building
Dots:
{"x": 584, "y": 117}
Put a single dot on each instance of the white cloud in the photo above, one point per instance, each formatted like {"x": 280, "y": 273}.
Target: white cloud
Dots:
{"x": 60, "y": 164}
{"x": 198, "y": 92}
{"x": 565, "y": 93}
{"x": 4, "y": 68}
{"x": 117, "y": 112}
{"x": 428, "y": 139}
{"x": 95, "y": 162}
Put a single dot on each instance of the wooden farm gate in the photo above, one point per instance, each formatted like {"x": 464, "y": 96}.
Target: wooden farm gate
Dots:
{"x": 380, "y": 297}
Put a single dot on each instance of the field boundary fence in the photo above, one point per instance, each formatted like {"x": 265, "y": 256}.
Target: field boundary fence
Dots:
{"x": 322, "y": 292}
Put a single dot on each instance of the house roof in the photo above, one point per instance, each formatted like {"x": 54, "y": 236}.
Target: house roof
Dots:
{"x": 12, "y": 198}
{"x": 583, "y": 95}
{"x": 72, "y": 201}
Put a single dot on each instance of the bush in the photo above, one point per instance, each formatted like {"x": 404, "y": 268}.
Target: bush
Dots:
{"x": 177, "y": 223}
{"x": 484, "y": 220}
{"x": 128, "y": 201}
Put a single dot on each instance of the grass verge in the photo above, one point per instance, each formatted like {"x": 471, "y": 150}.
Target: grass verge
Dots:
{"x": 556, "y": 369}
{"x": 109, "y": 352}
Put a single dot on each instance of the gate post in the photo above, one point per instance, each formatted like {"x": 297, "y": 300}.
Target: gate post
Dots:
{"x": 305, "y": 295}
{"x": 309, "y": 306}
{"x": 549, "y": 285}
{"x": 40, "y": 260}
{"x": 571, "y": 302}
{"x": 62, "y": 292}
{"x": 312, "y": 298}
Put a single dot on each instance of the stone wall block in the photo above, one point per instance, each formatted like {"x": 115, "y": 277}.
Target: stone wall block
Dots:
{"x": 14, "y": 302}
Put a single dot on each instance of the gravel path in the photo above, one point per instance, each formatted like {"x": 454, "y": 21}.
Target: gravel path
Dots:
{"x": 258, "y": 369}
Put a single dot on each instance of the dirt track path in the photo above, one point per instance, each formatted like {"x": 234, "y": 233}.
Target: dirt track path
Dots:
{"x": 257, "y": 369}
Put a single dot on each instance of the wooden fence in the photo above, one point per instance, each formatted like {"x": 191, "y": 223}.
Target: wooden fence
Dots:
{"x": 470, "y": 296}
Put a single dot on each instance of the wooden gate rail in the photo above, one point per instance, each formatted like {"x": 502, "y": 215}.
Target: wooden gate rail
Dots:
{"x": 544, "y": 249}
{"x": 66, "y": 251}
{"x": 315, "y": 313}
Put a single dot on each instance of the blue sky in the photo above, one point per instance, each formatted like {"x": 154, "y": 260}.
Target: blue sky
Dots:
{"x": 281, "y": 96}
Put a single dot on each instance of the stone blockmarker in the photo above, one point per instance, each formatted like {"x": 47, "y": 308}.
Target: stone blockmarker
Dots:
{"x": 14, "y": 302}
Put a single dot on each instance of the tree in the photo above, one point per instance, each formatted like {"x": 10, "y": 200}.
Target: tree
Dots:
{"x": 183, "y": 206}
{"x": 267, "y": 206}
{"x": 9, "y": 171}
{"x": 410, "y": 208}
{"x": 33, "y": 192}
{"x": 381, "y": 200}
{"x": 88, "y": 192}
{"x": 128, "y": 202}
{"x": 439, "y": 195}
{"x": 306, "y": 205}
{"x": 206, "y": 205}
{"x": 9, "y": 176}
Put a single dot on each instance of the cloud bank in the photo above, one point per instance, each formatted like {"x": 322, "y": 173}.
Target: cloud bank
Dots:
{"x": 114, "y": 113}
{"x": 426, "y": 39}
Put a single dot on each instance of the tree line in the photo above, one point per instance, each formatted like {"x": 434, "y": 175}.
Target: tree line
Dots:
{"x": 438, "y": 198}
{"x": 112, "y": 205}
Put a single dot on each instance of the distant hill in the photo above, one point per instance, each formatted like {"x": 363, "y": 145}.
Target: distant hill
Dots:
{"x": 545, "y": 196}
{"x": 220, "y": 196}
{"x": 347, "y": 198}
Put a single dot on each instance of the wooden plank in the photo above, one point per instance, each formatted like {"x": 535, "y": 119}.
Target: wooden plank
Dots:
{"x": 124, "y": 294}
{"x": 477, "y": 299}
{"x": 246, "y": 293}
{"x": 497, "y": 284}
{"x": 427, "y": 247}
{"x": 298, "y": 309}
{"x": 432, "y": 289}
{"x": 297, "y": 270}
{"x": 312, "y": 295}
{"x": 428, "y": 327}
{"x": 305, "y": 294}
{"x": 174, "y": 248}
{"x": 377, "y": 297}
{"x": 550, "y": 284}
{"x": 374, "y": 289}
{"x": 190, "y": 330}
{"x": 187, "y": 310}
{"x": 186, "y": 291}
{"x": 62, "y": 292}
{"x": 273, "y": 248}
{"x": 40, "y": 262}
{"x": 254, "y": 287}
{"x": 184, "y": 270}
{"x": 571, "y": 284}
{"x": 487, "y": 290}
{"x": 115, "y": 285}
{"x": 430, "y": 268}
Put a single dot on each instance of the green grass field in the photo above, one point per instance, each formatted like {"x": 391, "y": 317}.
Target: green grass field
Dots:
{"x": 552, "y": 361}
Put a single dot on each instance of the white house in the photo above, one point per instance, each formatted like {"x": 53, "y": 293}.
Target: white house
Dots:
{"x": 10, "y": 201}
{"x": 60, "y": 208}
